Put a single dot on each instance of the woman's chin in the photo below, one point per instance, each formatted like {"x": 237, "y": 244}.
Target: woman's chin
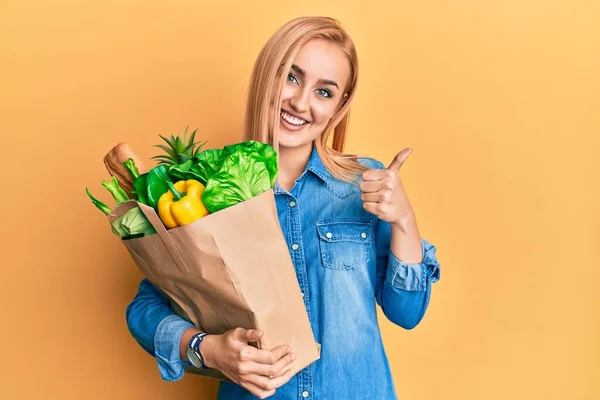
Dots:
{"x": 290, "y": 139}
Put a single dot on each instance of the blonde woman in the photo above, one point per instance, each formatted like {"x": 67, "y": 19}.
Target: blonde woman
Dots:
{"x": 351, "y": 231}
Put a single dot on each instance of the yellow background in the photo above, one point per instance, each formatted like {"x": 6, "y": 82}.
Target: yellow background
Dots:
{"x": 499, "y": 100}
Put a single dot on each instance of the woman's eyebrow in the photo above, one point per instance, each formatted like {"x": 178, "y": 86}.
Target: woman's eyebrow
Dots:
{"x": 301, "y": 72}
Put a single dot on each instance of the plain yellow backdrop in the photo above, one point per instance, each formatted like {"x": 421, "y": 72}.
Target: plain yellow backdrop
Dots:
{"x": 499, "y": 100}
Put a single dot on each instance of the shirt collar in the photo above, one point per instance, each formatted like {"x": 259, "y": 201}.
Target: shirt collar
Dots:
{"x": 335, "y": 186}
{"x": 316, "y": 166}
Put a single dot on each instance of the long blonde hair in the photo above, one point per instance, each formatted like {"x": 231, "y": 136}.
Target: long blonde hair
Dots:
{"x": 269, "y": 76}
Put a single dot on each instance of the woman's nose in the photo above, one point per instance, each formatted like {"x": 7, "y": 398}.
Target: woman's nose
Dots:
{"x": 299, "y": 101}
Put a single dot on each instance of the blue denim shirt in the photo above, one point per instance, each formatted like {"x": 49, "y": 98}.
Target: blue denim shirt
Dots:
{"x": 344, "y": 266}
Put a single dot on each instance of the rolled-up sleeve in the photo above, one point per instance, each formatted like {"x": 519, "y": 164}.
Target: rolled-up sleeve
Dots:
{"x": 157, "y": 329}
{"x": 414, "y": 277}
{"x": 166, "y": 341}
{"x": 403, "y": 291}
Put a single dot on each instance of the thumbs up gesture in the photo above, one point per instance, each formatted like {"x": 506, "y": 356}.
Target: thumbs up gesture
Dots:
{"x": 383, "y": 193}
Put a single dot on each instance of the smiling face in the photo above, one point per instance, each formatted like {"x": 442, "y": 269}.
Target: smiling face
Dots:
{"x": 313, "y": 92}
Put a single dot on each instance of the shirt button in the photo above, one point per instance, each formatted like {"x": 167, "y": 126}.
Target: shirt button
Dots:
{"x": 302, "y": 294}
{"x": 292, "y": 204}
{"x": 329, "y": 235}
{"x": 363, "y": 235}
{"x": 305, "y": 394}
{"x": 295, "y": 246}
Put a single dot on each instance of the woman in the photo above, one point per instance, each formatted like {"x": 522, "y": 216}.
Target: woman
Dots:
{"x": 351, "y": 231}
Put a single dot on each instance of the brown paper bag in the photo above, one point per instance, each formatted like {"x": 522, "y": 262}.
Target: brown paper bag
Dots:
{"x": 229, "y": 269}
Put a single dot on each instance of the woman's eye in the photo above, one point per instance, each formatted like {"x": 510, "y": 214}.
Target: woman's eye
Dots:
{"x": 292, "y": 78}
{"x": 324, "y": 93}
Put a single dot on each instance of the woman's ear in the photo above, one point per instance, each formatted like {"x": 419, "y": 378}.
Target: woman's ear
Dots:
{"x": 344, "y": 99}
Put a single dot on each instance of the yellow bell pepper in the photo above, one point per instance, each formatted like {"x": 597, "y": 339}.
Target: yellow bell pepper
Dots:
{"x": 182, "y": 204}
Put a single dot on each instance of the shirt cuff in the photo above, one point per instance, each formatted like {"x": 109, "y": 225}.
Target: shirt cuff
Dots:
{"x": 166, "y": 345}
{"x": 414, "y": 277}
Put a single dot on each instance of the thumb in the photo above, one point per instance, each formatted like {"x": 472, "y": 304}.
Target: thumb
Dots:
{"x": 399, "y": 159}
{"x": 247, "y": 335}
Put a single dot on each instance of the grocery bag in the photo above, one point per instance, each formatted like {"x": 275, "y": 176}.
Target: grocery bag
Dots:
{"x": 226, "y": 270}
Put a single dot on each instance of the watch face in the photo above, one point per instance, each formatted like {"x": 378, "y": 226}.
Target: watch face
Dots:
{"x": 194, "y": 359}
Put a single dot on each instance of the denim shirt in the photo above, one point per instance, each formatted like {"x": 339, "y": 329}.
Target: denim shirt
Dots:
{"x": 344, "y": 265}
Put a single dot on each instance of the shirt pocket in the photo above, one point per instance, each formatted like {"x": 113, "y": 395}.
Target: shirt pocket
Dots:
{"x": 345, "y": 244}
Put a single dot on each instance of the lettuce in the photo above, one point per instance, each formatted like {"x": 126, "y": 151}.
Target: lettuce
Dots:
{"x": 236, "y": 173}
{"x": 266, "y": 152}
{"x": 208, "y": 163}
{"x": 187, "y": 170}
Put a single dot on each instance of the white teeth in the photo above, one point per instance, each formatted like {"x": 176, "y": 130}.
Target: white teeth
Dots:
{"x": 292, "y": 120}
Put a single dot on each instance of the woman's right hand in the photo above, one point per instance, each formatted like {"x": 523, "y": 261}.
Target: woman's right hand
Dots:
{"x": 258, "y": 371}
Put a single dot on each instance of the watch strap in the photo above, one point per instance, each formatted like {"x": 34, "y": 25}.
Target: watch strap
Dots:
{"x": 194, "y": 345}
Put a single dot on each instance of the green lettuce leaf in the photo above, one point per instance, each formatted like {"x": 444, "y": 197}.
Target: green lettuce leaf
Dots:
{"x": 207, "y": 164}
{"x": 134, "y": 222}
{"x": 266, "y": 152}
{"x": 242, "y": 176}
{"x": 185, "y": 171}
{"x": 179, "y": 171}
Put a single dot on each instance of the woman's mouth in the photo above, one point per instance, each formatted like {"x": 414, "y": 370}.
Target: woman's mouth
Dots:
{"x": 292, "y": 123}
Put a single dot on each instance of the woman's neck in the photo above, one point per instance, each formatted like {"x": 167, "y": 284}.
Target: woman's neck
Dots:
{"x": 292, "y": 162}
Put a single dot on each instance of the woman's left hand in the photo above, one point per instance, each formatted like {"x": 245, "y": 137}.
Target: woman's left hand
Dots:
{"x": 383, "y": 193}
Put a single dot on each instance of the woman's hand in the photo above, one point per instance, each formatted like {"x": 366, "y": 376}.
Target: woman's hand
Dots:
{"x": 383, "y": 193}
{"x": 258, "y": 371}
{"x": 384, "y": 196}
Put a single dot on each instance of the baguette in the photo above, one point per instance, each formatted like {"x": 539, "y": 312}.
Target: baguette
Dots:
{"x": 114, "y": 160}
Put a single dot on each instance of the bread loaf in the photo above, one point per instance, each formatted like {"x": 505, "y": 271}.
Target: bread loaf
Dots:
{"x": 114, "y": 160}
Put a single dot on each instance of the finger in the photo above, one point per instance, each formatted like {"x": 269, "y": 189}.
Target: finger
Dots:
{"x": 370, "y": 186}
{"x": 400, "y": 159}
{"x": 260, "y": 382}
{"x": 371, "y": 207}
{"x": 257, "y": 391}
{"x": 270, "y": 357}
{"x": 272, "y": 370}
{"x": 289, "y": 369}
{"x": 378, "y": 209}
{"x": 282, "y": 351}
{"x": 374, "y": 174}
{"x": 268, "y": 384}
{"x": 283, "y": 378}
{"x": 247, "y": 335}
{"x": 377, "y": 197}
{"x": 284, "y": 365}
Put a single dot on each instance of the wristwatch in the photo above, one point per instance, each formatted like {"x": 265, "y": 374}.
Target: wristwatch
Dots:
{"x": 193, "y": 351}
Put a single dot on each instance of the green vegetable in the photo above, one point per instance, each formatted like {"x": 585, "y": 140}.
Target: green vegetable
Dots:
{"x": 208, "y": 163}
{"x": 117, "y": 192}
{"x": 141, "y": 188}
{"x": 243, "y": 175}
{"x": 266, "y": 152}
{"x": 180, "y": 171}
{"x": 133, "y": 224}
{"x": 117, "y": 228}
{"x": 186, "y": 171}
{"x": 151, "y": 185}
{"x": 132, "y": 168}
{"x": 103, "y": 207}
{"x": 156, "y": 184}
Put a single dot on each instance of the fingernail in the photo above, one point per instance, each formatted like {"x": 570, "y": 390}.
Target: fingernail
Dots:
{"x": 294, "y": 357}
